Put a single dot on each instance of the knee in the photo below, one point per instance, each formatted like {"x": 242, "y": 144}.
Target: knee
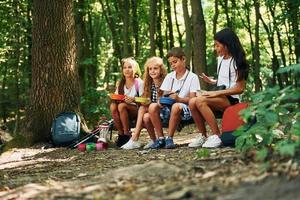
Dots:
{"x": 122, "y": 107}
{"x": 153, "y": 108}
{"x": 192, "y": 103}
{"x": 201, "y": 101}
{"x": 146, "y": 118}
{"x": 176, "y": 109}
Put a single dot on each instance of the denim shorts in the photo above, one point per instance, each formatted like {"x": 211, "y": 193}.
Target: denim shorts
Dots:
{"x": 165, "y": 113}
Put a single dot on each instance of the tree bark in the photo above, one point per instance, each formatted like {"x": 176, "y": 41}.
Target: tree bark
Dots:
{"x": 135, "y": 26}
{"x": 159, "y": 40}
{"x": 169, "y": 23}
{"x": 257, "y": 80}
{"x": 152, "y": 26}
{"x": 294, "y": 16}
{"x": 55, "y": 85}
{"x": 126, "y": 39}
{"x": 188, "y": 33}
{"x": 177, "y": 25}
{"x": 199, "y": 33}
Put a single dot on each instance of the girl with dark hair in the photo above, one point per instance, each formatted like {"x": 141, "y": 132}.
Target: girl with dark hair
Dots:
{"x": 232, "y": 74}
{"x": 130, "y": 86}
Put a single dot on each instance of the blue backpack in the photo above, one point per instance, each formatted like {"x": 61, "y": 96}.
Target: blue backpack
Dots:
{"x": 65, "y": 129}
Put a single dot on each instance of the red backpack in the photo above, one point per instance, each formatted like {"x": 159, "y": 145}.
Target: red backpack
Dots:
{"x": 231, "y": 121}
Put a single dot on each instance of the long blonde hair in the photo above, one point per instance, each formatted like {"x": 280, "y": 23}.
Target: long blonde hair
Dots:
{"x": 147, "y": 78}
{"x": 136, "y": 72}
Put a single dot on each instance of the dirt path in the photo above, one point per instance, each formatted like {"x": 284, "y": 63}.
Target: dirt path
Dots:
{"x": 138, "y": 174}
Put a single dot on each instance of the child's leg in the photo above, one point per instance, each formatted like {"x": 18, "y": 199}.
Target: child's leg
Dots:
{"x": 148, "y": 125}
{"x": 125, "y": 111}
{"x": 139, "y": 123}
{"x": 116, "y": 117}
{"x": 154, "y": 110}
{"x": 197, "y": 117}
{"x": 206, "y": 106}
{"x": 175, "y": 118}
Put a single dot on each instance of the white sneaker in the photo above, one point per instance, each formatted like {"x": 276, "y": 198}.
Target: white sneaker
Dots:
{"x": 147, "y": 146}
{"x": 131, "y": 145}
{"x": 212, "y": 141}
{"x": 197, "y": 142}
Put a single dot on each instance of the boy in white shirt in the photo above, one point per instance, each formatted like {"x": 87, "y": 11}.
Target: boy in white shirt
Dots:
{"x": 182, "y": 85}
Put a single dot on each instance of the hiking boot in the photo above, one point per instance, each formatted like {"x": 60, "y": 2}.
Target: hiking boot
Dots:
{"x": 212, "y": 141}
{"x": 158, "y": 144}
{"x": 197, "y": 142}
{"x": 131, "y": 145}
{"x": 169, "y": 143}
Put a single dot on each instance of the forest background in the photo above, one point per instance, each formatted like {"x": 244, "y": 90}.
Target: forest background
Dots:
{"x": 65, "y": 55}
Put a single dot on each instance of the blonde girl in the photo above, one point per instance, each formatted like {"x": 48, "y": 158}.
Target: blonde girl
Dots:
{"x": 131, "y": 85}
{"x": 154, "y": 75}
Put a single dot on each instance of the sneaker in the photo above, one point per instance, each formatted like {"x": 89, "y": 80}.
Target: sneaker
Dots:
{"x": 212, "y": 141}
{"x": 131, "y": 145}
{"x": 197, "y": 142}
{"x": 169, "y": 143}
{"x": 122, "y": 139}
{"x": 158, "y": 144}
{"x": 148, "y": 145}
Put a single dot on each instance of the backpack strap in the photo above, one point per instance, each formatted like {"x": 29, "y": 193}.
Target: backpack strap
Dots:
{"x": 136, "y": 85}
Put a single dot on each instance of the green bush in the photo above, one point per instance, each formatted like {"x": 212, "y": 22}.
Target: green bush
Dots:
{"x": 277, "y": 114}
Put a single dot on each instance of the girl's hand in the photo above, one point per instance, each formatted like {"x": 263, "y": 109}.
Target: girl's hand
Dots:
{"x": 210, "y": 94}
{"x": 129, "y": 99}
{"x": 208, "y": 79}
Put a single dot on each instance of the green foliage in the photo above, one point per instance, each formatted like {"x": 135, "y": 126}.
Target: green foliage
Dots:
{"x": 95, "y": 104}
{"x": 278, "y": 121}
{"x": 202, "y": 153}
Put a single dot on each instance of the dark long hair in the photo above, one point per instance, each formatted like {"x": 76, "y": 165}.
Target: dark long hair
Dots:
{"x": 230, "y": 40}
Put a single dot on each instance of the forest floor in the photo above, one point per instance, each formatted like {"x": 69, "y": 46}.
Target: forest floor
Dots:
{"x": 60, "y": 173}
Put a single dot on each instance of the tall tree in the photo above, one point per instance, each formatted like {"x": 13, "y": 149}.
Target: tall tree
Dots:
{"x": 177, "y": 24}
{"x": 160, "y": 41}
{"x": 55, "y": 85}
{"x": 153, "y": 11}
{"x": 126, "y": 39}
{"x": 169, "y": 23}
{"x": 256, "y": 49}
{"x": 188, "y": 32}
{"x": 135, "y": 26}
{"x": 199, "y": 33}
{"x": 294, "y": 16}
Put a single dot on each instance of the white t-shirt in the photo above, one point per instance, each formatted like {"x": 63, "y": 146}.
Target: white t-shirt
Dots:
{"x": 172, "y": 84}
{"x": 131, "y": 92}
{"x": 227, "y": 74}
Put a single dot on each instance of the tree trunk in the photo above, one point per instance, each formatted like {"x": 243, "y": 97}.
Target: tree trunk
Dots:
{"x": 169, "y": 23}
{"x": 152, "y": 26}
{"x": 177, "y": 25}
{"x": 55, "y": 85}
{"x": 199, "y": 33}
{"x": 294, "y": 16}
{"x": 188, "y": 33}
{"x": 256, "y": 49}
{"x": 80, "y": 42}
{"x": 213, "y": 66}
{"x": 160, "y": 41}
{"x": 126, "y": 40}
{"x": 29, "y": 38}
{"x": 275, "y": 62}
{"x": 135, "y": 27}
